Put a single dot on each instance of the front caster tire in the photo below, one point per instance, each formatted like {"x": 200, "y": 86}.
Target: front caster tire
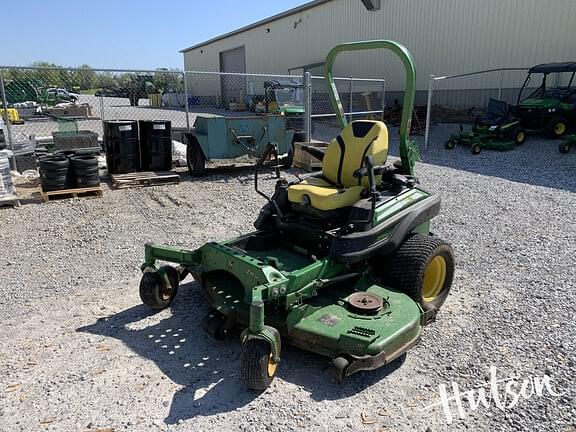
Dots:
{"x": 564, "y": 147}
{"x": 519, "y": 135}
{"x": 423, "y": 268}
{"x": 257, "y": 366}
{"x": 450, "y": 144}
{"x": 475, "y": 148}
{"x": 154, "y": 292}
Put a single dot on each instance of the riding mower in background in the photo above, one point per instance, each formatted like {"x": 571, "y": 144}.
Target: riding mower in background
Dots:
{"x": 566, "y": 145}
{"x": 342, "y": 262}
{"x": 495, "y": 130}
{"x": 550, "y": 108}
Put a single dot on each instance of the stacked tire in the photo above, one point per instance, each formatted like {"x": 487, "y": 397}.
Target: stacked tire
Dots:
{"x": 68, "y": 170}
{"x": 85, "y": 169}
{"x": 54, "y": 172}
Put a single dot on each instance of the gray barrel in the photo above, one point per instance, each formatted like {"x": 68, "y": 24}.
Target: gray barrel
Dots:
{"x": 7, "y": 187}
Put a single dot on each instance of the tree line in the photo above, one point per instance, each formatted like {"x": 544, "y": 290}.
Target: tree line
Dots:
{"x": 84, "y": 77}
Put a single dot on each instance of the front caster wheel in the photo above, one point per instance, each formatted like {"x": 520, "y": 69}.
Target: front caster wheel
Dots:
{"x": 450, "y": 144}
{"x": 564, "y": 147}
{"x": 257, "y": 365}
{"x": 157, "y": 292}
{"x": 475, "y": 148}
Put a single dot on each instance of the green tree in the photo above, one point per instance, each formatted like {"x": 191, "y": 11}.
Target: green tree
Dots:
{"x": 166, "y": 80}
{"x": 49, "y": 77}
{"x": 86, "y": 77}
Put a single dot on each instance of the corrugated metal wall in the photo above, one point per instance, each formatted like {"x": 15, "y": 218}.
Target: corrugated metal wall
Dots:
{"x": 444, "y": 36}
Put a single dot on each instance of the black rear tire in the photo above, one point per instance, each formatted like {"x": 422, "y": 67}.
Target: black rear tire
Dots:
{"x": 556, "y": 127}
{"x": 475, "y": 148}
{"x": 450, "y": 144}
{"x": 256, "y": 371}
{"x": 406, "y": 269}
{"x": 195, "y": 158}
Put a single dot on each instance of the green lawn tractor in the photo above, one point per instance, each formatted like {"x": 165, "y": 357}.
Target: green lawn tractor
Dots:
{"x": 549, "y": 108}
{"x": 567, "y": 145}
{"x": 342, "y": 262}
{"x": 496, "y": 130}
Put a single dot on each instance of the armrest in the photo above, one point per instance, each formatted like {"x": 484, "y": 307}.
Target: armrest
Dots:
{"x": 316, "y": 152}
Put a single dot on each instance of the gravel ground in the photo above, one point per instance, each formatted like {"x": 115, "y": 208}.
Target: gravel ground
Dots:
{"x": 79, "y": 353}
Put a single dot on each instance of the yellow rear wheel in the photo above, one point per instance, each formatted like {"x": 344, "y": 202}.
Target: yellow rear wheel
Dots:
{"x": 434, "y": 278}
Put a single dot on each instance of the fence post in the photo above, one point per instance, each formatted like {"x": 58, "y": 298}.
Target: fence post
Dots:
{"x": 350, "y": 100}
{"x": 383, "y": 97}
{"x": 501, "y": 84}
{"x": 102, "y": 115}
{"x": 308, "y": 106}
{"x": 186, "y": 103}
{"x": 428, "y": 111}
{"x": 7, "y": 120}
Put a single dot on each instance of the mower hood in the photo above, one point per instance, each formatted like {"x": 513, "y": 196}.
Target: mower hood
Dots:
{"x": 539, "y": 103}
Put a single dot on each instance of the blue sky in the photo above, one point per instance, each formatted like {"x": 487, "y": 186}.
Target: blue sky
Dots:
{"x": 121, "y": 33}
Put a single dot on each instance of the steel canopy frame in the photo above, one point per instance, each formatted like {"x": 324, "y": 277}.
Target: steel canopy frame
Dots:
{"x": 408, "y": 149}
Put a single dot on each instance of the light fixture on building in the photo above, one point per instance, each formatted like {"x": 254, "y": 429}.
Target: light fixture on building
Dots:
{"x": 371, "y": 5}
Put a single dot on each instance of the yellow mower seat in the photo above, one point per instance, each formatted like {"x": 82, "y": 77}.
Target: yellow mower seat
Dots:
{"x": 338, "y": 188}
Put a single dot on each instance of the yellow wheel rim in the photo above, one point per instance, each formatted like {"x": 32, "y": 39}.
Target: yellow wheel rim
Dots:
{"x": 272, "y": 366}
{"x": 520, "y": 136}
{"x": 559, "y": 128}
{"x": 434, "y": 278}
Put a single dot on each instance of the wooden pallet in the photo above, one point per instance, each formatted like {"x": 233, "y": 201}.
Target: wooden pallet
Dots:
{"x": 147, "y": 178}
{"x": 95, "y": 191}
{"x": 9, "y": 201}
{"x": 304, "y": 160}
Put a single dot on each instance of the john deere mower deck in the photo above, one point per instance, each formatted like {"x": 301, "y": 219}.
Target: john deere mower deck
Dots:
{"x": 342, "y": 262}
{"x": 496, "y": 130}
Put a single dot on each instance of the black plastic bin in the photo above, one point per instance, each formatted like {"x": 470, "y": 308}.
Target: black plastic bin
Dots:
{"x": 121, "y": 146}
{"x": 155, "y": 145}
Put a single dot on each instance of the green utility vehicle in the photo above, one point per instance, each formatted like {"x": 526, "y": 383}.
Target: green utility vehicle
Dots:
{"x": 286, "y": 97}
{"x": 496, "y": 130}
{"x": 342, "y": 262}
{"x": 550, "y": 108}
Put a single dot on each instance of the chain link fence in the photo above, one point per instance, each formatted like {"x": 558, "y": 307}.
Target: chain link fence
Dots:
{"x": 361, "y": 99}
{"x": 458, "y": 98}
{"x": 46, "y": 101}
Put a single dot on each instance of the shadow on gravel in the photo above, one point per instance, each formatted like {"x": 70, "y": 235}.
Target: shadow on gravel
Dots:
{"x": 208, "y": 369}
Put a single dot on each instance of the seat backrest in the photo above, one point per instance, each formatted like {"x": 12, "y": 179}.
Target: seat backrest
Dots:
{"x": 345, "y": 153}
{"x": 497, "y": 112}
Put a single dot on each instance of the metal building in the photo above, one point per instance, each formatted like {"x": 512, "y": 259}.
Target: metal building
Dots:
{"x": 445, "y": 37}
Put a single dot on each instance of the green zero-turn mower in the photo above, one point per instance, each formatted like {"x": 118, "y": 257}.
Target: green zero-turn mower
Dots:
{"x": 342, "y": 262}
{"x": 496, "y": 130}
